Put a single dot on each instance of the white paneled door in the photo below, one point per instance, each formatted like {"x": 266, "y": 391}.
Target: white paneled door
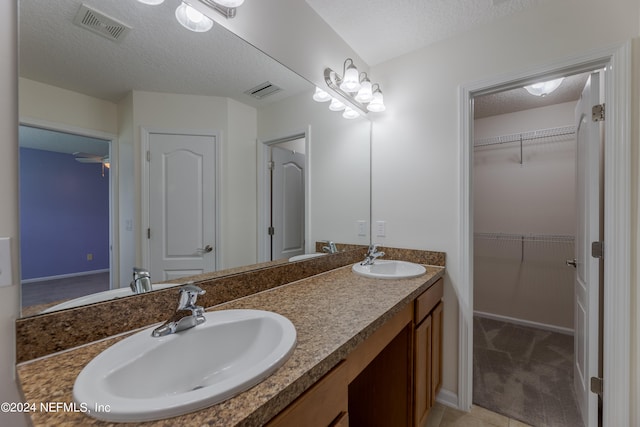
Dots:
{"x": 287, "y": 215}
{"x": 589, "y": 229}
{"x": 182, "y": 214}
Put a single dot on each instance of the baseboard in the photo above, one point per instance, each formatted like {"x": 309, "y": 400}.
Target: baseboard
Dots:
{"x": 64, "y": 276}
{"x": 448, "y": 398}
{"x": 545, "y": 326}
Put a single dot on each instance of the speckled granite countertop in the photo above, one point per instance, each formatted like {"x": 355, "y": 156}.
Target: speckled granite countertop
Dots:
{"x": 333, "y": 312}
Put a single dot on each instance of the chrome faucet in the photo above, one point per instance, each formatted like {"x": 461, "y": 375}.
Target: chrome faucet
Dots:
{"x": 330, "y": 248}
{"x": 372, "y": 255}
{"x": 187, "y": 315}
{"x": 141, "y": 281}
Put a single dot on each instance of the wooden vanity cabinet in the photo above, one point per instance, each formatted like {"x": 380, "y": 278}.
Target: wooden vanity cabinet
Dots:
{"x": 323, "y": 405}
{"x": 427, "y": 364}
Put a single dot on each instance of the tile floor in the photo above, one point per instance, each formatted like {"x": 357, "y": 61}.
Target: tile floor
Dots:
{"x": 443, "y": 416}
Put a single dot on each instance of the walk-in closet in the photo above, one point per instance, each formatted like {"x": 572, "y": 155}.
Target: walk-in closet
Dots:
{"x": 524, "y": 219}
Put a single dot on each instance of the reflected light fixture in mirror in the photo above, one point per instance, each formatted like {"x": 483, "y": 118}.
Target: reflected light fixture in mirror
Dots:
{"x": 194, "y": 20}
{"x": 544, "y": 88}
{"x": 354, "y": 87}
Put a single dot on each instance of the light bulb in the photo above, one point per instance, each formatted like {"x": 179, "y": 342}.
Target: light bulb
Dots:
{"x": 193, "y": 19}
{"x": 229, "y": 3}
{"x": 151, "y": 2}
{"x": 377, "y": 103}
{"x": 544, "y": 88}
{"x": 336, "y": 105}
{"x": 350, "y": 82}
{"x": 350, "y": 113}
{"x": 364, "y": 94}
{"x": 321, "y": 95}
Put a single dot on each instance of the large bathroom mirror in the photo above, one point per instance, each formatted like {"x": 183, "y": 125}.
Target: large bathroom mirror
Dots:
{"x": 102, "y": 84}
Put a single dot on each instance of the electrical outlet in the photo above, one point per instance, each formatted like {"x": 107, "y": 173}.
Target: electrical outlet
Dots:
{"x": 362, "y": 227}
{"x": 381, "y": 228}
{"x": 6, "y": 278}
{"x": 89, "y": 257}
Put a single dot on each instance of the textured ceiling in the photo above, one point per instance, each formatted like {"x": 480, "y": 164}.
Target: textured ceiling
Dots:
{"x": 156, "y": 55}
{"x": 379, "y": 30}
{"x": 519, "y": 99}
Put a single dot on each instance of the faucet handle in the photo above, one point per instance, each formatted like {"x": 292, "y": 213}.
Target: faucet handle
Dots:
{"x": 188, "y": 296}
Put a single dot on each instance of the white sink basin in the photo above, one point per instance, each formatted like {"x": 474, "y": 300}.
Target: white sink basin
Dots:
{"x": 143, "y": 378}
{"x": 102, "y": 296}
{"x": 389, "y": 269}
{"x": 307, "y": 256}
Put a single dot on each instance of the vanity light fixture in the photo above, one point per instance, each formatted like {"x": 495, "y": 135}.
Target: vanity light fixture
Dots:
{"x": 356, "y": 88}
{"x": 544, "y": 88}
{"x": 194, "y": 20}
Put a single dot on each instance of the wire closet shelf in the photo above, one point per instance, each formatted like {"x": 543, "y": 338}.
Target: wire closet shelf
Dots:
{"x": 556, "y": 134}
{"x": 546, "y": 238}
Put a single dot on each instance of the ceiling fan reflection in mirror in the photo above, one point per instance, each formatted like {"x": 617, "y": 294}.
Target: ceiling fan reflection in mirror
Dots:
{"x": 92, "y": 158}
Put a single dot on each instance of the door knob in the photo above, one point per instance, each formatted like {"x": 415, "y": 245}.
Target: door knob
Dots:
{"x": 206, "y": 249}
{"x": 571, "y": 263}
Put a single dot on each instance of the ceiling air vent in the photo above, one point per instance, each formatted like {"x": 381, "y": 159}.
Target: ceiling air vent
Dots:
{"x": 100, "y": 23}
{"x": 263, "y": 90}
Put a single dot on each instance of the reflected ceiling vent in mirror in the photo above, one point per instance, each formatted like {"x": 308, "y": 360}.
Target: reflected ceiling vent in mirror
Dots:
{"x": 263, "y": 90}
{"x": 100, "y": 23}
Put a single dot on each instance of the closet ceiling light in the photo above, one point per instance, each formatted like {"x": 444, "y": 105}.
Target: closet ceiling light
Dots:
{"x": 193, "y": 19}
{"x": 358, "y": 91}
{"x": 544, "y": 88}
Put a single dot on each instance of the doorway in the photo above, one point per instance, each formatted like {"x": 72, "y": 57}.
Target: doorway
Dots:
{"x": 66, "y": 214}
{"x": 617, "y": 178}
{"x": 525, "y": 221}
{"x": 283, "y": 211}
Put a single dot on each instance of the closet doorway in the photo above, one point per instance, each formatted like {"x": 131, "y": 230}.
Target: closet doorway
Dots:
{"x": 528, "y": 324}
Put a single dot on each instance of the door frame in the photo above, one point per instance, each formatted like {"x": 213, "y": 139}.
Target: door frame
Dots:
{"x": 114, "y": 227}
{"x": 617, "y": 222}
{"x": 263, "y": 148}
{"x": 144, "y": 186}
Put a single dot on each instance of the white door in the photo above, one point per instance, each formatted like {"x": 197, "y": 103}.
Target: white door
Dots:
{"x": 586, "y": 339}
{"x": 182, "y": 218}
{"x": 287, "y": 205}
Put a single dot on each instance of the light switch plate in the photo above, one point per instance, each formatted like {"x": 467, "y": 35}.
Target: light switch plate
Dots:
{"x": 6, "y": 278}
{"x": 381, "y": 228}
{"x": 362, "y": 227}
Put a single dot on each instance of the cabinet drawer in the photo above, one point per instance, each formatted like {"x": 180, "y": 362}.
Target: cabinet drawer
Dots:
{"x": 428, "y": 300}
{"x": 324, "y": 404}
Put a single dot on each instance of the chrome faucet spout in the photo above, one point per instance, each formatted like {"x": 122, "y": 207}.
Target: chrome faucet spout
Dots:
{"x": 372, "y": 255}
{"x": 187, "y": 315}
{"x": 141, "y": 281}
{"x": 330, "y": 248}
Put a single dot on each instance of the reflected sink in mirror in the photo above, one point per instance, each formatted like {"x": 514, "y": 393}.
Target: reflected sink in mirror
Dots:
{"x": 102, "y": 296}
{"x": 390, "y": 269}
{"x": 306, "y": 256}
{"x": 143, "y": 378}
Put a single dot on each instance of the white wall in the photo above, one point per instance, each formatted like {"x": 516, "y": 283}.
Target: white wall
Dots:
{"x": 416, "y": 141}
{"x": 526, "y": 281}
{"x": 339, "y": 164}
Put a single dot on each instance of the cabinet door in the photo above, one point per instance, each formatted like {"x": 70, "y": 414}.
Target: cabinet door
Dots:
{"x": 436, "y": 352}
{"x": 422, "y": 365}
{"x": 324, "y": 404}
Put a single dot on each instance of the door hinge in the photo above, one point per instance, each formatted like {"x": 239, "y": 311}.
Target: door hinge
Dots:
{"x": 271, "y": 231}
{"x": 597, "y": 249}
{"x": 271, "y": 165}
{"x": 148, "y": 156}
{"x": 597, "y": 113}
{"x": 148, "y": 233}
{"x": 597, "y": 385}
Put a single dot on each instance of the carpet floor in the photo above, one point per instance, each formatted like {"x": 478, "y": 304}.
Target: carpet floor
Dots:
{"x": 524, "y": 373}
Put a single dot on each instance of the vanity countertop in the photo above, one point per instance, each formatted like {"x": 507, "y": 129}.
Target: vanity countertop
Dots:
{"x": 333, "y": 312}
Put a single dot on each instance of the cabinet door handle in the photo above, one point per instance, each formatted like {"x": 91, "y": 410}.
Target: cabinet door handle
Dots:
{"x": 571, "y": 263}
